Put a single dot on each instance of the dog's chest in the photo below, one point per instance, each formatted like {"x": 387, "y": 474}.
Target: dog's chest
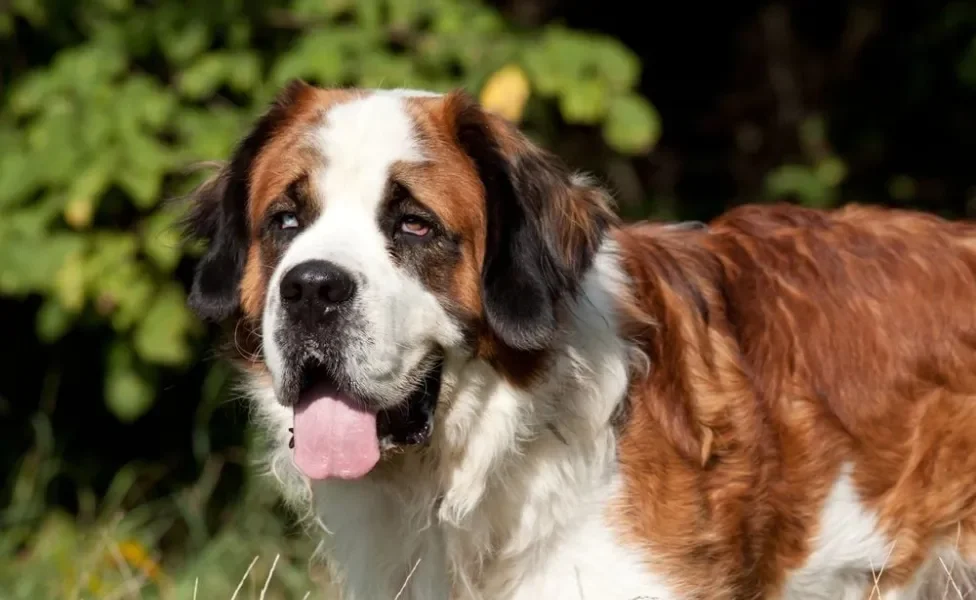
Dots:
{"x": 388, "y": 548}
{"x": 584, "y": 561}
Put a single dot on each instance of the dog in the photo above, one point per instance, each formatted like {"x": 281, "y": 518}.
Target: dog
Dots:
{"x": 478, "y": 383}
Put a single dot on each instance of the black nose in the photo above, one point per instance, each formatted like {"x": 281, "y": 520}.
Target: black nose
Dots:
{"x": 313, "y": 288}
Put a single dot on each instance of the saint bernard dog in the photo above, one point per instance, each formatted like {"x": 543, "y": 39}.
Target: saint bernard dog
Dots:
{"x": 479, "y": 384}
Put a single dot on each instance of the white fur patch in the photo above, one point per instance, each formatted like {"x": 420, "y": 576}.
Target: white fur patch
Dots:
{"x": 847, "y": 549}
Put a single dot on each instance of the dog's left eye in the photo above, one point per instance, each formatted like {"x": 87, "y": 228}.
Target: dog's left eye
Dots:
{"x": 415, "y": 226}
{"x": 286, "y": 220}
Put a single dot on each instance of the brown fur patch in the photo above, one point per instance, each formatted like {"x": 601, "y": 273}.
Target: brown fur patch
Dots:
{"x": 794, "y": 341}
{"x": 282, "y": 161}
{"x": 286, "y": 156}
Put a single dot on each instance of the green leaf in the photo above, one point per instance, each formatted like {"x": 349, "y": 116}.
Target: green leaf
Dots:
{"x": 84, "y": 194}
{"x": 128, "y": 392}
{"x": 141, "y": 184}
{"x": 33, "y": 265}
{"x": 202, "y": 78}
{"x": 832, "y": 171}
{"x": 30, "y": 92}
{"x": 633, "y": 126}
{"x": 162, "y": 241}
{"x": 161, "y": 337}
{"x": 618, "y": 66}
{"x": 800, "y": 181}
{"x": 53, "y": 321}
{"x": 319, "y": 57}
{"x": 186, "y": 43}
{"x": 69, "y": 283}
{"x": 545, "y": 79}
{"x": 584, "y": 102}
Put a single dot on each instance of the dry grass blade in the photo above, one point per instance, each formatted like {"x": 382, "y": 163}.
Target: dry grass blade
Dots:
{"x": 407, "y": 580}
{"x": 952, "y": 581}
{"x": 243, "y": 579}
{"x": 267, "y": 582}
{"x": 877, "y": 575}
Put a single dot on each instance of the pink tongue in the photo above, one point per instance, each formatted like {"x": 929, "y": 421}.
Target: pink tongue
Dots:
{"x": 334, "y": 437}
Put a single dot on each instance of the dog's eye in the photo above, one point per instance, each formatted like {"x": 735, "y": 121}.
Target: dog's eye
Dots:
{"x": 286, "y": 220}
{"x": 415, "y": 226}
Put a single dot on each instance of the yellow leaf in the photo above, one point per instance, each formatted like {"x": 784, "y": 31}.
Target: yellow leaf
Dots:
{"x": 137, "y": 556}
{"x": 506, "y": 93}
{"x": 78, "y": 213}
{"x": 84, "y": 192}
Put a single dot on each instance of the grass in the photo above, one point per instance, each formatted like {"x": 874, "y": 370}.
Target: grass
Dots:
{"x": 134, "y": 543}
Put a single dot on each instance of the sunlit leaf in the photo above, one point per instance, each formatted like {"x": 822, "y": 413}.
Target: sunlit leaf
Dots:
{"x": 128, "y": 391}
{"x": 69, "y": 283}
{"x": 162, "y": 240}
{"x": 53, "y": 321}
{"x": 188, "y": 42}
{"x": 585, "y": 102}
{"x": 632, "y": 126}
{"x": 33, "y": 264}
{"x": 162, "y": 336}
{"x": 84, "y": 194}
{"x": 618, "y": 66}
{"x": 832, "y": 171}
{"x": 798, "y": 181}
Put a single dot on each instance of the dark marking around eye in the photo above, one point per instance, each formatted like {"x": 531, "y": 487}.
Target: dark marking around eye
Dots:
{"x": 418, "y": 240}
{"x": 284, "y": 218}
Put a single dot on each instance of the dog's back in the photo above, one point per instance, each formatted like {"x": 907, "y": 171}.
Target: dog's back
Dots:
{"x": 837, "y": 385}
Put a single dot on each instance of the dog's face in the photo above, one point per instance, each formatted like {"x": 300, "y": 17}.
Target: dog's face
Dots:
{"x": 365, "y": 235}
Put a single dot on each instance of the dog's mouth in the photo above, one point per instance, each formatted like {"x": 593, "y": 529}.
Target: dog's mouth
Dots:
{"x": 340, "y": 434}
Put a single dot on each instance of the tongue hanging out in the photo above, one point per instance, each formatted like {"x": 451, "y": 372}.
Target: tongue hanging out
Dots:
{"x": 334, "y": 436}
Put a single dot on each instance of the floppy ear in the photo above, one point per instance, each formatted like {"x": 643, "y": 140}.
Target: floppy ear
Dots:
{"x": 544, "y": 226}
{"x": 218, "y": 214}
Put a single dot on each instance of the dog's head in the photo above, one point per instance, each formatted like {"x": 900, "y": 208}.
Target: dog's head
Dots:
{"x": 364, "y": 235}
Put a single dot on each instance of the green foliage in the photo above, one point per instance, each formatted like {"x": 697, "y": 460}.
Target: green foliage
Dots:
{"x": 593, "y": 79}
{"x": 114, "y": 551}
{"x": 815, "y": 183}
{"x": 95, "y": 138}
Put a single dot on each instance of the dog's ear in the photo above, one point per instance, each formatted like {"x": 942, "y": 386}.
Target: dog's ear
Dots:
{"x": 214, "y": 295}
{"x": 218, "y": 214}
{"x": 544, "y": 225}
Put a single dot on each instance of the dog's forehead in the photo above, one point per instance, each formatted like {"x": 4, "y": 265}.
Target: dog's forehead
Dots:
{"x": 371, "y": 131}
{"x": 338, "y": 138}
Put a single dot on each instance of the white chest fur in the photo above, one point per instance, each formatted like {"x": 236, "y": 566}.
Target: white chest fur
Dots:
{"x": 385, "y": 552}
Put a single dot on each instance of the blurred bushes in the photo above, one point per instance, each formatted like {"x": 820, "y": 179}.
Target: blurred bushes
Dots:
{"x": 99, "y": 131}
{"x": 111, "y": 402}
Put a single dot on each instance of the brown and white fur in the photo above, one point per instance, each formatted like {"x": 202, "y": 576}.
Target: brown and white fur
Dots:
{"x": 781, "y": 404}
